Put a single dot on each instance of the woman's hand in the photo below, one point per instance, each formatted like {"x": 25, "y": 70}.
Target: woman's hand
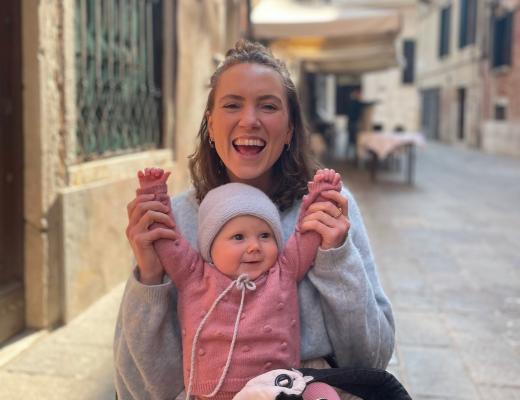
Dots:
{"x": 143, "y": 211}
{"x": 329, "y": 219}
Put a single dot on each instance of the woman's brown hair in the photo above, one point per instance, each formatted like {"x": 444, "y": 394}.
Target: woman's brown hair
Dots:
{"x": 293, "y": 169}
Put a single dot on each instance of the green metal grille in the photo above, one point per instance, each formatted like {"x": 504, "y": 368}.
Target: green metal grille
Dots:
{"x": 118, "y": 70}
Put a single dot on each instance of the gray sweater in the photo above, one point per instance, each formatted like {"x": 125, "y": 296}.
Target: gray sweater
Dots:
{"x": 344, "y": 311}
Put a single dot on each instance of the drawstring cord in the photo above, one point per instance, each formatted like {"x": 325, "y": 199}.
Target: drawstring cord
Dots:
{"x": 242, "y": 283}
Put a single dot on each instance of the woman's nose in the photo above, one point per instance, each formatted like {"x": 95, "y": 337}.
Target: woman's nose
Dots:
{"x": 249, "y": 117}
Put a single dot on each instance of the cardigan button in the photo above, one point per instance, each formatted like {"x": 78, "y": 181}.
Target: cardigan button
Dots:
{"x": 283, "y": 346}
{"x": 246, "y": 349}
{"x": 279, "y": 306}
{"x": 268, "y": 365}
{"x": 268, "y": 329}
{"x": 201, "y": 352}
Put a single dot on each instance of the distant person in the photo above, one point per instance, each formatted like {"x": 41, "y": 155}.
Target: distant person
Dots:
{"x": 354, "y": 113}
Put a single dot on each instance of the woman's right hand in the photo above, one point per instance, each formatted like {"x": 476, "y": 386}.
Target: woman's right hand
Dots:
{"x": 143, "y": 211}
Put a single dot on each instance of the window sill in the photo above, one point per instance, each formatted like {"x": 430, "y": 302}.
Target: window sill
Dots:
{"x": 118, "y": 167}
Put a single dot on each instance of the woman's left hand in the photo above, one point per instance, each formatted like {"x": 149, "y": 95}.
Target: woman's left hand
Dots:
{"x": 329, "y": 219}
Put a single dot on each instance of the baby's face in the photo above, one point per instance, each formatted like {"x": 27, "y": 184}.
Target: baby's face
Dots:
{"x": 245, "y": 244}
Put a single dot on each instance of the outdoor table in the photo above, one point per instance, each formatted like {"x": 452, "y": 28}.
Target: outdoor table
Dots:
{"x": 380, "y": 145}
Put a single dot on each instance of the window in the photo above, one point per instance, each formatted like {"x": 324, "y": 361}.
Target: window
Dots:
{"x": 118, "y": 76}
{"x": 444, "y": 39}
{"x": 502, "y": 38}
{"x": 468, "y": 22}
{"x": 409, "y": 57}
{"x": 500, "y": 112}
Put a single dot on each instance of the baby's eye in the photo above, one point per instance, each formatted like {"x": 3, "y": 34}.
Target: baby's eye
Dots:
{"x": 238, "y": 236}
{"x": 265, "y": 235}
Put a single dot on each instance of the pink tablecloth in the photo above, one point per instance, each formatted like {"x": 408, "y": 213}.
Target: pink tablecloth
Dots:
{"x": 386, "y": 143}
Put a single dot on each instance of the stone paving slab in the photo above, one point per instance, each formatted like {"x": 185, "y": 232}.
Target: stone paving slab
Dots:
{"x": 45, "y": 387}
{"x": 421, "y": 329}
{"x": 434, "y": 371}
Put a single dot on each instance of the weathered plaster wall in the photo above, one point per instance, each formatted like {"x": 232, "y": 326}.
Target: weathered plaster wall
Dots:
{"x": 93, "y": 248}
{"x": 396, "y": 104}
{"x": 76, "y": 249}
{"x": 458, "y": 69}
{"x": 44, "y": 169}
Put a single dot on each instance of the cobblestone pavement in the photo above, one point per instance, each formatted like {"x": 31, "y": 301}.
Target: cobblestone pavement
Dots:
{"x": 447, "y": 251}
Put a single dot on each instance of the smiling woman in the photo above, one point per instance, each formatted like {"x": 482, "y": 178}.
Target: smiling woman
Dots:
{"x": 252, "y": 112}
{"x": 251, "y": 132}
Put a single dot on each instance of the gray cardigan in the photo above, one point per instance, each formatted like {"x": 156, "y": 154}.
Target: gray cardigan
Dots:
{"x": 343, "y": 309}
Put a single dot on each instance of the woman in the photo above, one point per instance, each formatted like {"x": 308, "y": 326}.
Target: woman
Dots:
{"x": 252, "y": 132}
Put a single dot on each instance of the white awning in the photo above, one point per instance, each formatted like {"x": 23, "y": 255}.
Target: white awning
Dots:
{"x": 330, "y": 38}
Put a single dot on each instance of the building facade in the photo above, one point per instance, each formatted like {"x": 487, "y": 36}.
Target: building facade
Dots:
{"x": 393, "y": 91}
{"x": 500, "y": 129}
{"x": 466, "y": 72}
{"x": 96, "y": 91}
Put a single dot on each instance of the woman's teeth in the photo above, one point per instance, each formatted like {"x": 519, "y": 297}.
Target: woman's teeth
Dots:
{"x": 249, "y": 142}
{"x": 249, "y": 146}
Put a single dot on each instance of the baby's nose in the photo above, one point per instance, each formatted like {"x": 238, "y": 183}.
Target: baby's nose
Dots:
{"x": 253, "y": 245}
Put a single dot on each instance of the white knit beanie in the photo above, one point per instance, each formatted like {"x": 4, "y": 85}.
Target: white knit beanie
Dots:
{"x": 231, "y": 200}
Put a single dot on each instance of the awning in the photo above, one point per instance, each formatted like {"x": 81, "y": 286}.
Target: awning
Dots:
{"x": 329, "y": 38}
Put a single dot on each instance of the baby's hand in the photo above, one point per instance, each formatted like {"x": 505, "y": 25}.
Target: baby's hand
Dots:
{"x": 152, "y": 177}
{"x": 325, "y": 176}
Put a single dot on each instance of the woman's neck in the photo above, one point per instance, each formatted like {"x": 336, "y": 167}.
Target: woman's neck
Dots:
{"x": 262, "y": 182}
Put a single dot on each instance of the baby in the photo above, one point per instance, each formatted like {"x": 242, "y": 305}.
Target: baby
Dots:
{"x": 237, "y": 298}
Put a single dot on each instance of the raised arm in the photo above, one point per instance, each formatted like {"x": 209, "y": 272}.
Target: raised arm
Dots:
{"x": 300, "y": 249}
{"x": 357, "y": 314}
{"x": 175, "y": 253}
{"x": 147, "y": 345}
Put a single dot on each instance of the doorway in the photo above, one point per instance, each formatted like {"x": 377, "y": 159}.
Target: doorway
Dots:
{"x": 430, "y": 115}
{"x": 461, "y": 95}
{"x": 12, "y": 298}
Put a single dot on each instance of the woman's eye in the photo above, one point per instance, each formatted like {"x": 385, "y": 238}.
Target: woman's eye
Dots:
{"x": 269, "y": 107}
{"x": 238, "y": 236}
{"x": 231, "y": 106}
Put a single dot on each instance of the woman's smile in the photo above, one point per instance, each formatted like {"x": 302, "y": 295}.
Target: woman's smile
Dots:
{"x": 248, "y": 146}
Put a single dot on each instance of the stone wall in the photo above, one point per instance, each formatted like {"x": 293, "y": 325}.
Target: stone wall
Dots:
{"x": 75, "y": 212}
{"x": 499, "y": 137}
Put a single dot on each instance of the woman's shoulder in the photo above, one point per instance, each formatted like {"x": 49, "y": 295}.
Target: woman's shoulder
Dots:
{"x": 185, "y": 209}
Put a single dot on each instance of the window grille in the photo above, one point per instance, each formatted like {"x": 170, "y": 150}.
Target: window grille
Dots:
{"x": 118, "y": 76}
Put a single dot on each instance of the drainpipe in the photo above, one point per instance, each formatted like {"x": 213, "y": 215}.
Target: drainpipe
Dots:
{"x": 249, "y": 27}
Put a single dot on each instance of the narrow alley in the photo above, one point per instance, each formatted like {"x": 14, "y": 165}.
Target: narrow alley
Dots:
{"x": 447, "y": 251}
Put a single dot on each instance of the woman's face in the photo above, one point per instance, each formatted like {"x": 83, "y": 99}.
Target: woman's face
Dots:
{"x": 249, "y": 122}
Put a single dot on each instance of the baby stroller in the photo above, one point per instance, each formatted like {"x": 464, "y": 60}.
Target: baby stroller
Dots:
{"x": 365, "y": 383}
